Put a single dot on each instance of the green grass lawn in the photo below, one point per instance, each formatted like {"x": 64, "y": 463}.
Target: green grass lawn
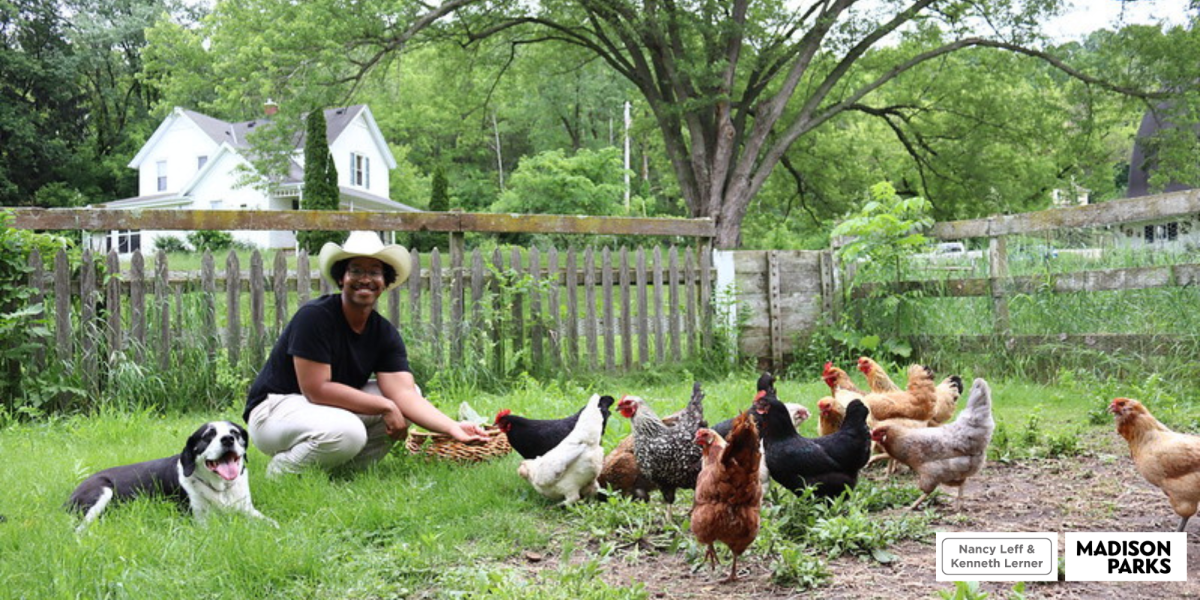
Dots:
{"x": 409, "y": 526}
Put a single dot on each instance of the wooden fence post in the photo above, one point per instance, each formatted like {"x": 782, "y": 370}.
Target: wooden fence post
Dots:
{"x": 88, "y": 320}
{"x": 208, "y": 283}
{"x": 572, "y": 318}
{"x": 998, "y": 280}
{"x": 497, "y": 312}
{"x": 233, "y": 308}
{"x": 458, "y": 329}
{"x": 112, "y": 303}
{"x": 555, "y": 318}
{"x": 137, "y": 305}
{"x": 626, "y": 312}
{"x": 415, "y": 334}
{"x": 162, "y": 300}
{"x": 643, "y": 320}
{"x": 477, "y": 306}
{"x": 774, "y": 310}
{"x": 606, "y": 296}
{"x": 589, "y": 300}
{"x": 690, "y": 291}
{"x": 673, "y": 308}
{"x": 37, "y": 281}
{"x": 304, "y": 279}
{"x": 518, "y": 300}
{"x": 537, "y": 326}
{"x": 829, "y": 290}
{"x": 279, "y": 286}
{"x": 704, "y": 249}
{"x": 257, "y": 310}
{"x": 660, "y": 339}
{"x": 437, "y": 327}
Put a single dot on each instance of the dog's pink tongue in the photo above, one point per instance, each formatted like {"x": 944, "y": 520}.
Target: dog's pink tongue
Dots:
{"x": 228, "y": 469}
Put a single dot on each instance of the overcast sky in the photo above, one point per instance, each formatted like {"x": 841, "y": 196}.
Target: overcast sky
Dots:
{"x": 1087, "y": 16}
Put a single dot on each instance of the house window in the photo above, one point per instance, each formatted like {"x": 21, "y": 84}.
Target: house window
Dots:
{"x": 360, "y": 170}
{"x": 161, "y": 167}
{"x": 216, "y": 204}
{"x": 1162, "y": 232}
{"x": 200, "y": 162}
{"x": 123, "y": 241}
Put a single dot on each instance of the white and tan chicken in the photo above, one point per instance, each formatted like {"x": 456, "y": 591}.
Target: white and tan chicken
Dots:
{"x": 568, "y": 471}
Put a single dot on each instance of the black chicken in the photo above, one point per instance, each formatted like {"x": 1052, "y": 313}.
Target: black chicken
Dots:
{"x": 766, "y": 383}
{"x": 829, "y": 463}
{"x": 532, "y": 438}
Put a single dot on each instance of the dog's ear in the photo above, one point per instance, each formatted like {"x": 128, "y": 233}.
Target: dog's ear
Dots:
{"x": 187, "y": 458}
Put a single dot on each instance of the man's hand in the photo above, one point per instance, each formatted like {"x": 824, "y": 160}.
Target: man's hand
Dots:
{"x": 397, "y": 425}
{"x": 467, "y": 431}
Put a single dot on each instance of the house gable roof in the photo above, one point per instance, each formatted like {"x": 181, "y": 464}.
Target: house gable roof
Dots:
{"x": 209, "y": 165}
{"x": 236, "y": 134}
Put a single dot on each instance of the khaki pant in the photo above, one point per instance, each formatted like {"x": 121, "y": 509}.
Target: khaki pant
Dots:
{"x": 297, "y": 434}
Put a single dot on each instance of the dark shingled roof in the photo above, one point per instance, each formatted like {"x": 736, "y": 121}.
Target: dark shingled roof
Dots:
{"x": 336, "y": 120}
{"x": 1141, "y": 166}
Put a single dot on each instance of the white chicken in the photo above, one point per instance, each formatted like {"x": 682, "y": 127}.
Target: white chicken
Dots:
{"x": 568, "y": 471}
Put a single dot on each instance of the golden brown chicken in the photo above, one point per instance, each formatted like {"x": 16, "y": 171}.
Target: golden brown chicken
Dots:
{"x": 877, "y": 378}
{"x": 915, "y": 402}
{"x": 947, "y": 395}
{"x": 1170, "y": 461}
{"x": 832, "y": 408}
{"x": 945, "y": 455}
{"x": 728, "y": 491}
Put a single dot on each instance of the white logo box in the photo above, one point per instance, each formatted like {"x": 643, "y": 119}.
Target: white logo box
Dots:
{"x": 1126, "y": 556}
{"x": 989, "y": 556}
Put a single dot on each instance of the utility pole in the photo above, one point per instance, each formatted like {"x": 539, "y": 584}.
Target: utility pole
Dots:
{"x": 627, "y": 123}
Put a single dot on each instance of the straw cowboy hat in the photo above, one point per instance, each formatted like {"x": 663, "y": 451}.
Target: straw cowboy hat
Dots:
{"x": 368, "y": 244}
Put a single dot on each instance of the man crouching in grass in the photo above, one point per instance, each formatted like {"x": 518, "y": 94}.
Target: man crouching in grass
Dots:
{"x": 314, "y": 402}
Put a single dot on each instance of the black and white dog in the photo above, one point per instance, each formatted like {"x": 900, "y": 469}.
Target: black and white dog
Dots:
{"x": 210, "y": 474}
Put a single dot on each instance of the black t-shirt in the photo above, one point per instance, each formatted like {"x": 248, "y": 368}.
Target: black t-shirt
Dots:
{"x": 319, "y": 332}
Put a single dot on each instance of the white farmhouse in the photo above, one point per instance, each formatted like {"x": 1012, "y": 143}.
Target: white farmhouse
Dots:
{"x": 195, "y": 162}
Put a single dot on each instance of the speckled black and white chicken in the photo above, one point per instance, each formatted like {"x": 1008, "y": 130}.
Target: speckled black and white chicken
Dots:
{"x": 666, "y": 454}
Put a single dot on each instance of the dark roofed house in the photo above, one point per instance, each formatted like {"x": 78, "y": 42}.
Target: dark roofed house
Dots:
{"x": 1173, "y": 233}
{"x": 194, "y": 161}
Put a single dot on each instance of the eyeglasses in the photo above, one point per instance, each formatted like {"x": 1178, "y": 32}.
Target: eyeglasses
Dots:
{"x": 358, "y": 273}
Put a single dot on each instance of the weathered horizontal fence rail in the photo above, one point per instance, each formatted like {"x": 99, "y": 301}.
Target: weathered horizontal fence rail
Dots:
{"x": 1103, "y": 280}
{"x": 1046, "y": 345}
{"x": 1174, "y": 204}
{"x": 310, "y": 220}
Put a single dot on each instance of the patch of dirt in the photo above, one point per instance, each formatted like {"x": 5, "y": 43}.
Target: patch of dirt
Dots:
{"x": 1098, "y": 492}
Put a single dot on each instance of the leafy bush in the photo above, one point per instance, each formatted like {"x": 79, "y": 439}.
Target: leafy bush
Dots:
{"x": 23, "y": 326}
{"x": 210, "y": 240}
{"x": 170, "y": 243}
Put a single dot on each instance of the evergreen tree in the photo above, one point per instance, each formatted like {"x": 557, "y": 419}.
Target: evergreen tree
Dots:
{"x": 320, "y": 182}
{"x": 439, "y": 201}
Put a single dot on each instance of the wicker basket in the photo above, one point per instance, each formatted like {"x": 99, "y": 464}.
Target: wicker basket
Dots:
{"x": 440, "y": 445}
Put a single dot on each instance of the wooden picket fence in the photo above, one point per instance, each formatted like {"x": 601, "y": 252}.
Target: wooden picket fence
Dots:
{"x": 530, "y": 309}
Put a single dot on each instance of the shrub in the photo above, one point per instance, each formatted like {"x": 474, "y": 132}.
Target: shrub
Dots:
{"x": 210, "y": 240}
{"x": 170, "y": 243}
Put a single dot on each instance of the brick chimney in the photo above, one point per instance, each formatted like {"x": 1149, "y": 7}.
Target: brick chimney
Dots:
{"x": 270, "y": 107}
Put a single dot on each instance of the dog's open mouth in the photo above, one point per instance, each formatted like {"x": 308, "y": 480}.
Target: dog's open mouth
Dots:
{"x": 228, "y": 467}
